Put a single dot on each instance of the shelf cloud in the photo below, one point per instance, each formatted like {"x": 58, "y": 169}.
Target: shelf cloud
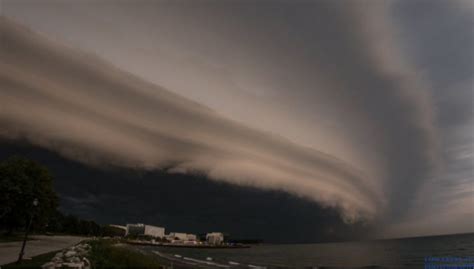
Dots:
{"x": 88, "y": 110}
{"x": 329, "y": 101}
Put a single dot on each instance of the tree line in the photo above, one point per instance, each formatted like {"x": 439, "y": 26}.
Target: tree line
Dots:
{"x": 26, "y": 192}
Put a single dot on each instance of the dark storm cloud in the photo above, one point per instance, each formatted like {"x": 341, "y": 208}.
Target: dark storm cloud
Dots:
{"x": 122, "y": 196}
{"x": 332, "y": 76}
{"x": 438, "y": 36}
{"x": 346, "y": 54}
{"x": 448, "y": 60}
{"x": 88, "y": 110}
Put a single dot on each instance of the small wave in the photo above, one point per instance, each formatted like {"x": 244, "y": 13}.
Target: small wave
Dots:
{"x": 256, "y": 266}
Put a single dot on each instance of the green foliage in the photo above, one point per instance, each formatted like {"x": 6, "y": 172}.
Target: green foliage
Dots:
{"x": 112, "y": 231}
{"x": 70, "y": 224}
{"x": 22, "y": 181}
{"x": 108, "y": 254}
{"x": 103, "y": 254}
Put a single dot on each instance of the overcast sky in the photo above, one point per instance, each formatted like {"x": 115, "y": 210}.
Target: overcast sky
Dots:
{"x": 363, "y": 106}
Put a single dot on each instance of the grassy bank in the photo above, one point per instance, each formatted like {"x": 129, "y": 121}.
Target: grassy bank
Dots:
{"x": 111, "y": 254}
{"x": 103, "y": 254}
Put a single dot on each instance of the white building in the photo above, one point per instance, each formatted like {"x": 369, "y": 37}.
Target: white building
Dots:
{"x": 191, "y": 237}
{"x": 181, "y": 237}
{"x": 135, "y": 229}
{"x": 178, "y": 236}
{"x": 215, "y": 238}
{"x": 118, "y": 226}
{"x": 154, "y": 231}
{"x": 118, "y": 230}
{"x": 142, "y": 229}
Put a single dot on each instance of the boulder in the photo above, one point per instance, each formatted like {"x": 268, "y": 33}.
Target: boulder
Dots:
{"x": 48, "y": 265}
{"x": 70, "y": 253}
{"x": 75, "y": 259}
{"x": 78, "y": 265}
{"x": 87, "y": 263}
{"x": 56, "y": 259}
{"x": 59, "y": 255}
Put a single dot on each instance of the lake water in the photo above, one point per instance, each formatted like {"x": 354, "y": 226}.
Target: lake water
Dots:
{"x": 395, "y": 253}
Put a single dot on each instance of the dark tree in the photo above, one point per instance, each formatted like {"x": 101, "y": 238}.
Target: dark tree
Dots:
{"x": 21, "y": 181}
{"x": 112, "y": 231}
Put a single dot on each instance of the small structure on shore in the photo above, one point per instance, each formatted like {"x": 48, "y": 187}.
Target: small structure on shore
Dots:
{"x": 154, "y": 231}
{"x": 113, "y": 230}
{"x": 142, "y": 229}
{"x": 191, "y": 237}
{"x": 215, "y": 238}
{"x": 181, "y": 237}
{"x": 135, "y": 229}
{"x": 140, "y": 233}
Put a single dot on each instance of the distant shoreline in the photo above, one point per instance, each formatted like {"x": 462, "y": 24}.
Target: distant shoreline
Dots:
{"x": 171, "y": 245}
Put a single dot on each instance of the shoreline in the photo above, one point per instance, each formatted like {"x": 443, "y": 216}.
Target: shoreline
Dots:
{"x": 171, "y": 245}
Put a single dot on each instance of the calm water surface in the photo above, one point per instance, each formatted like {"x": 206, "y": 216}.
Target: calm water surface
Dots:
{"x": 398, "y": 253}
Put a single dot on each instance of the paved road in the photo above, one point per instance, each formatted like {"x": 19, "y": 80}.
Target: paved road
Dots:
{"x": 42, "y": 244}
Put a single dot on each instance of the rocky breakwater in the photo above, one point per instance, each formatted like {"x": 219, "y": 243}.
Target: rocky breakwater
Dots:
{"x": 73, "y": 257}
